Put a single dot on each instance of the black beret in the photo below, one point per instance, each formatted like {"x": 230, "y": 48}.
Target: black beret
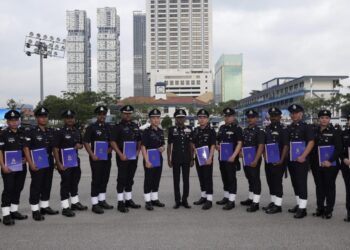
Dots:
{"x": 68, "y": 113}
{"x": 12, "y": 114}
{"x": 251, "y": 113}
{"x": 41, "y": 111}
{"x": 295, "y": 108}
{"x": 324, "y": 112}
{"x": 127, "y": 109}
{"x": 101, "y": 109}
{"x": 203, "y": 112}
{"x": 274, "y": 111}
{"x": 154, "y": 113}
{"x": 180, "y": 113}
{"x": 228, "y": 111}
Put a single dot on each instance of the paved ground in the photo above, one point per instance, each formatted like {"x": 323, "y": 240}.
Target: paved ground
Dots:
{"x": 178, "y": 229}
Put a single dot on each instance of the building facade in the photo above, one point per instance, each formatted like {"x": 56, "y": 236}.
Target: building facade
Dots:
{"x": 228, "y": 78}
{"x": 108, "y": 51}
{"x": 179, "y": 46}
{"x": 78, "y": 50}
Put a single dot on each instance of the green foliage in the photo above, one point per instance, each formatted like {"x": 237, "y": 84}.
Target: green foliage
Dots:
{"x": 166, "y": 122}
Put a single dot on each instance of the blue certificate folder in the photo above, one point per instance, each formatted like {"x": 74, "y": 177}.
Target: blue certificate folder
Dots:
{"x": 154, "y": 157}
{"x": 248, "y": 155}
{"x": 202, "y": 155}
{"x": 130, "y": 150}
{"x": 40, "y": 158}
{"x": 272, "y": 151}
{"x": 101, "y": 150}
{"x": 226, "y": 151}
{"x": 69, "y": 157}
{"x": 297, "y": 148}
{"x": 13, "y": 160}
{"x": 325, "y": 153}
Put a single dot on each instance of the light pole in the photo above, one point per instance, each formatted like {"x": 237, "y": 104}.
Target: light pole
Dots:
{"x": 44, "y": 46}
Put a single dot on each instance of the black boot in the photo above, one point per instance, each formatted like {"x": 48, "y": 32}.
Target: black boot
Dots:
{"x": 201, "y": 201}
{"x": 149, "y": 206}
{"x": 328, "y": 213}
{"x": 157, "y": 203}
{"x": 185, "y": 204}
{"x": 68, "y": 212}
{"x": 207, "y": 205}
{"x": 48, "y": 211}
{"x": 8, "y": 221}
{"x": 347, "y": 219}
{"x": 18, "y": 216}
{"x": 271, "y": 204}
{"x": 132, "y": 204}
{"x": 247, "y": 202}
{"x": 177, "y": 205}
{"x": 294, "y": 209}
{"x": 97, "y": 209}
{"x": 229, "y": 205}
{"x": 301, "y": 213}
{"x": 78, "y": 206}
{"x": 222, "y": 202}
{"x": 274, "y": 209}
{"x": 122, "y": 208}
{"x": 319, "y": 212}
{"x": 253, "y": 208}
{"x": 105, "y": 205}
{"x": 37, "y": 216}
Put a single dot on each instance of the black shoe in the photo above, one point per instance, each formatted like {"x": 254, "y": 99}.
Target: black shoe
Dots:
{"x": 157, "y": 203}
{"x": 132, "y": 204}
{"x": 207, "y": 205}
{"x": 274, "y": 209}
{"x": 68, "y": 212}
{"x": 301, "y": 213}
{"x": 201, "y": 201}
{"x": 8, "y": 221}
{"x": 318, "y": 213}
{"x": 222, "y": 202}
{"x": 185, "y": 204}
{"x": 327, "y": 215}
{"x": 37, "y": 216}
{"x": 97, "y": 209}
{"x": 122, "y": 208}
{"x": 253, "y": 208}
{"x": 18, "y": 216}
{"x": 177, "y": 205}
{"x": 347, "y": 219}
{"x": 105, "y": 205}
{"x": 78, "y": 206}
{"x": 48, "y": 211}
{"x": 229, "y": 205}
{"x": 149, "y": 206}
{"x": 247, "y": 202}
{"x": 271, "y": 204}
{"x": 293, "y": 210}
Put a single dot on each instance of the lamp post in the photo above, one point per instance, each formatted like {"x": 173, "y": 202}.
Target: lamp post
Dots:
{"x": 44, "y": 46}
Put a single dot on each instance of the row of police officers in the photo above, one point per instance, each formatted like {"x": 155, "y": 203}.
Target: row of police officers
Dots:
{"x": 183, "y": 142}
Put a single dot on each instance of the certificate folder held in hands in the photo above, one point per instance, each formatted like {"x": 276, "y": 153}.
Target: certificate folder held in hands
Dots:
{"x": 101, "y": 150}
{"x": 226, "y": 151}
{"x": 202, "y": 155}
{"x": 69, "y": 157}
{"x": 325, "y": 153}
{"x": 13, "y": 160}
{"x": 272, "y": 153}
{"x": 248, "y": 155}
{"x": 40, "y": 158}
{"x": 130, "y": 150}
{"x": 297, "y": 148}
{"x": 154, "y": 157}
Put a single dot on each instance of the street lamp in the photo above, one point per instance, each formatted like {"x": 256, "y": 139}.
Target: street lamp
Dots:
{"x": 44, "y": 46}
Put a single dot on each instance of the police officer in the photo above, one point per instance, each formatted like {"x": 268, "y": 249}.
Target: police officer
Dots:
{"x": 40, "y": 137}
{"x": 299, "y": 131}
{"x": 277, "y": 133}
{"x": 205, "y": 135}
{"x": 325, "y": 174}
{"x": 253, "y": 136}
{"x": 152, "y": 138}
{"x": 11, "y": 139}
{"x": 230, "y": 132}
{"x": 345, "y": 165}
{"x": 126, "y": 131}
{"x": 180, "y": 156}
{"x": 99, "y": 131}
{"x": 68, "y": 137}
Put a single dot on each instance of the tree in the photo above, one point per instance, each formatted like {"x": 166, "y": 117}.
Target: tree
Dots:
{"x": 166, "y": 122}
{"x": 11, "y": 104}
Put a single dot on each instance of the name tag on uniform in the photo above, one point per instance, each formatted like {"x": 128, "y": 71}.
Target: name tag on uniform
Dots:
{"x": 248, "y": 155}
{"x": 325, "y": 153}
{"x": 40, "y": 158}
{"x": 297, "y": 148}
{"x": 272, "y": 151}
{"x": 13, "y": 160}
{"x": 154, "y": 157}
{"x": 101, "y": 150}
{"x": 226, "y": 151}
{"x": 202, "y": 155}
{"x": 130, "y": 150}
{"x": 69, "y": 157}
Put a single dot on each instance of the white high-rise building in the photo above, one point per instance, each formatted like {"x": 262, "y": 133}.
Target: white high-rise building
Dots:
{"x": 108, "y": 51}
{"x": 78, "y": 49}
{"x": 179, "y": 45}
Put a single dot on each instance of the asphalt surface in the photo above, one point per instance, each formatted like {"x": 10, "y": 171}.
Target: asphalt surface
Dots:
{"x": 166, "y": 228}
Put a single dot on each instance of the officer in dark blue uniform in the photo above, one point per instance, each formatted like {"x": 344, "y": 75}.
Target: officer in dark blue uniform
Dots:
{"x": 152, "y": 138}
{"x": 180, "y": 156}
{"x": 253, "y": 136}
{"x": 299, "y": 131}
{"x": 205, "y": 135}
{"x": 99, "y": 131}
{"x": 126, "y": 131}
{"x": 68, "y": 137}
{"x": 230, "y": 132}
{"x": 324, "y": 173}
{"x": 345, "y": 165}
{"x": 11, "y": 139}
{"x": 276, "y": 132}
{"x": 40, "y": 137}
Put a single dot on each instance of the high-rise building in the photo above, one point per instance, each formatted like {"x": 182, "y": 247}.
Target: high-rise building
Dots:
{"x": 141, "y": 83}
{"x": 78, "y": 49}
{"x": 179, "y": 45}
{"x": 108, "y": 51}
{"x": 228, "y": 78}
